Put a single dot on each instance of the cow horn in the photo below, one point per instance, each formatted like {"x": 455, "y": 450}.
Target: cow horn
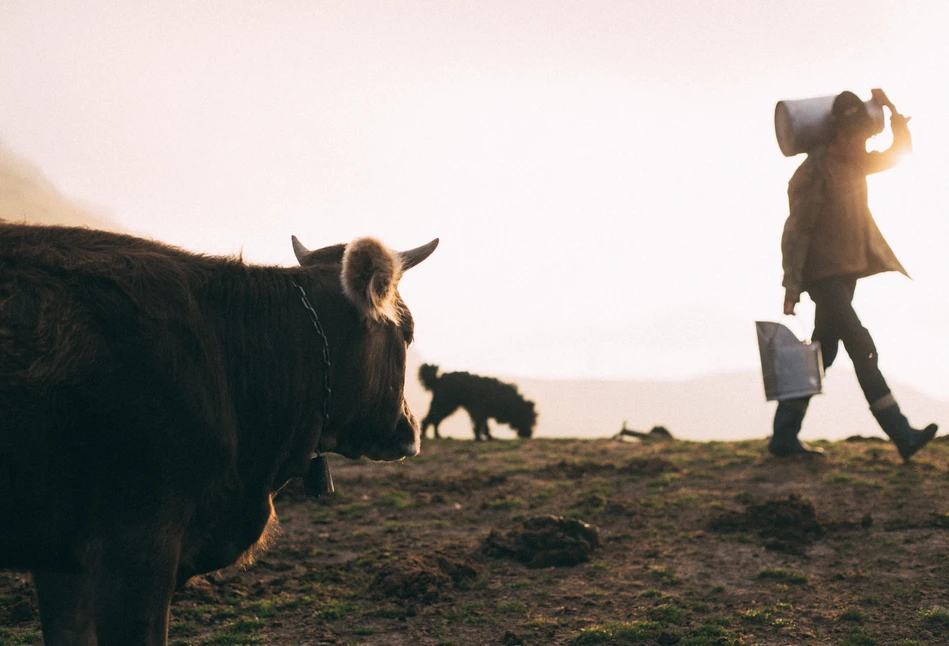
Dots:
{"x": 298, "y": 249}
{"x": 413, "y": 257}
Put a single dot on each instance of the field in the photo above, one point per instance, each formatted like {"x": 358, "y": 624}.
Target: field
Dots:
{"x": 699, "y": 544}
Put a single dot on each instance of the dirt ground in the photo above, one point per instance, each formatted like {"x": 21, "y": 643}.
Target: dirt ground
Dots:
{"x": 689, "y": 544}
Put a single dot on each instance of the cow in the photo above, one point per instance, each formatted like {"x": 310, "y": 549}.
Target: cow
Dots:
{"x": 482, "y": 397}
{"x": 154, "y": 400}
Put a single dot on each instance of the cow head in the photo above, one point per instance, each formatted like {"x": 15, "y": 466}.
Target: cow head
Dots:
{"x": 369, "y": 340}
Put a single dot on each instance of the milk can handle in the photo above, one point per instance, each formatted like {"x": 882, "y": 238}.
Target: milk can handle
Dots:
{"x": 796, "y": 325}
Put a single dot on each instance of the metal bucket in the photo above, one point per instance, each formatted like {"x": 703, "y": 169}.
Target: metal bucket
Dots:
{"x": 791, "y": 368}
{"x": 802, "y": 124}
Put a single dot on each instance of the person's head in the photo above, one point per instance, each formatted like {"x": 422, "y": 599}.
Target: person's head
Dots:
{"x": 851, "y": 120}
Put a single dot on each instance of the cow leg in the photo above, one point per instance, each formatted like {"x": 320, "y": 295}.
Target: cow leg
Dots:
{"x": 134, "y": 592}
{"x": 480, "y": 428}
{"x": 433, "y": 421}
{"x": 67, "y": 608}
{"x": 134, "y": 610}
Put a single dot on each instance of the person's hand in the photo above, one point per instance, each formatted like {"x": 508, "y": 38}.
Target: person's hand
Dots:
{"x": 789, "y": 306}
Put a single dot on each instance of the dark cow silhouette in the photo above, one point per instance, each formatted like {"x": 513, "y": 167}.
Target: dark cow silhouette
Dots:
{"x": 152, "y": 401}
{"x": 482, "y": 397}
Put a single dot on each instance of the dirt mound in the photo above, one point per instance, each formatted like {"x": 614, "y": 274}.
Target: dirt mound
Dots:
{"x": 786, "y": 525}
{"x": 545, "y": 541}
{"x": 422, "y": 578}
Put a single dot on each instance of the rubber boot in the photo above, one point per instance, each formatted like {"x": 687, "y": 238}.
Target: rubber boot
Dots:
{"x": 787, "y": 424}
{"x": 907, "y": 439}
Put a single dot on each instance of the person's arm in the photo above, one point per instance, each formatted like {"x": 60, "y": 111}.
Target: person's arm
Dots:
{"x": 805, "y": 198}
{"x": 902, "y": 139}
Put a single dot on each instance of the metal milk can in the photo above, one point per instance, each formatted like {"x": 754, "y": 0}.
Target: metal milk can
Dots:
{"x": 802, "y": 124}
{"x": 791, "y": 368}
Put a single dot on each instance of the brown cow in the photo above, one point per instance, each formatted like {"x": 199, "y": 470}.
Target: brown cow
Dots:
{"x": 153, "y": 400}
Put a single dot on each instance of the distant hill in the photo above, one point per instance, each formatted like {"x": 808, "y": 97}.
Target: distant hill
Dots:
{"x": 27, "y": 196}
{"x": 716, "y": 407}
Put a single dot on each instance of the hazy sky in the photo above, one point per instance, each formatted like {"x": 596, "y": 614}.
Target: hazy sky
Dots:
{"x": 603, "y": 176}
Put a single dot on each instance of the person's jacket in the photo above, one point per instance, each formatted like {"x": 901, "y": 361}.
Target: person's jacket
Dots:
{"x": 830, "y": 231}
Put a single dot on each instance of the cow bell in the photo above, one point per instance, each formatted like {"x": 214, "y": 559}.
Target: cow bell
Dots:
{"x": 318, "y": 480}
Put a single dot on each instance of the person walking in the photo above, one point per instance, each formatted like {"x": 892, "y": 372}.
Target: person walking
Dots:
{"x": 830, "y": 241}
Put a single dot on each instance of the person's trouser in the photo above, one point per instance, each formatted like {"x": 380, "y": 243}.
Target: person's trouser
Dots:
{"x": 834, "y": 321}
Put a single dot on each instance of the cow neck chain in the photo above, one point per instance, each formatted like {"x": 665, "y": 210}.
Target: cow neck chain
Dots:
{"x": 326, "y": 359}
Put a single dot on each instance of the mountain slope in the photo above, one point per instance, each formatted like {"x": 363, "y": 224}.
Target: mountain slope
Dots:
{"x": 27, "y": 196}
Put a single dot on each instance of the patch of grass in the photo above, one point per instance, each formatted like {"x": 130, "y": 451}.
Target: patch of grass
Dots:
{"x": 710, "y": 635}
{"x": 264, "y": 609}
{"x": 230, "y": 639}
{"x": 469, "y": 613}
{"x": 718, "y": 620}
{"x": 207, "y": 613}
{"x": 396, "y": 499}
{"x": 665, "y": 614}
{"x": 355, "y": 510}
{"x": 540, "y": 622}
{"x": 859, "y": 637}
{"x": 664, "y": 480}
{"x": 336, "y": 609}
{"x": 853, "y": 614}
{"x": 765, "y": 615}
{"x": 936, "y": 617}
{"x": 507, "y": 503}
{"x": 652, "y": 593}
{"x": 293, "y": 602}
{"x": 862, "y": 484}
{"x": 389, "y": 612}
{"x": 784, "y": 576}
{"x": 510, "y": 607}
{"x": 665, "y": 574}
{"x": 17, "y": 637}
{"x": 546, "y": 493}
{"x": 246, "y": 625}
{"x": 618, "y": 632}
{"x": 838, "y": 477}
{"x": 906, "y": 477}
{"x": 175, "y": 628}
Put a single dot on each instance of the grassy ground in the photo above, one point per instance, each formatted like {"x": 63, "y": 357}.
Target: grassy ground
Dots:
{"x": 701, "y": 544}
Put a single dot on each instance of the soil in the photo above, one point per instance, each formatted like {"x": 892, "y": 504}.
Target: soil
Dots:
{"x": 588, "y": 542}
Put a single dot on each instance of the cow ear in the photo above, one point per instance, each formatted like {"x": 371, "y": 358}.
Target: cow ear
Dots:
{"x": 370, "y": 277}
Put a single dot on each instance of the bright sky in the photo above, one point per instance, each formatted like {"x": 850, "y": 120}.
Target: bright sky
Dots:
{"x": 603, "y": 176}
